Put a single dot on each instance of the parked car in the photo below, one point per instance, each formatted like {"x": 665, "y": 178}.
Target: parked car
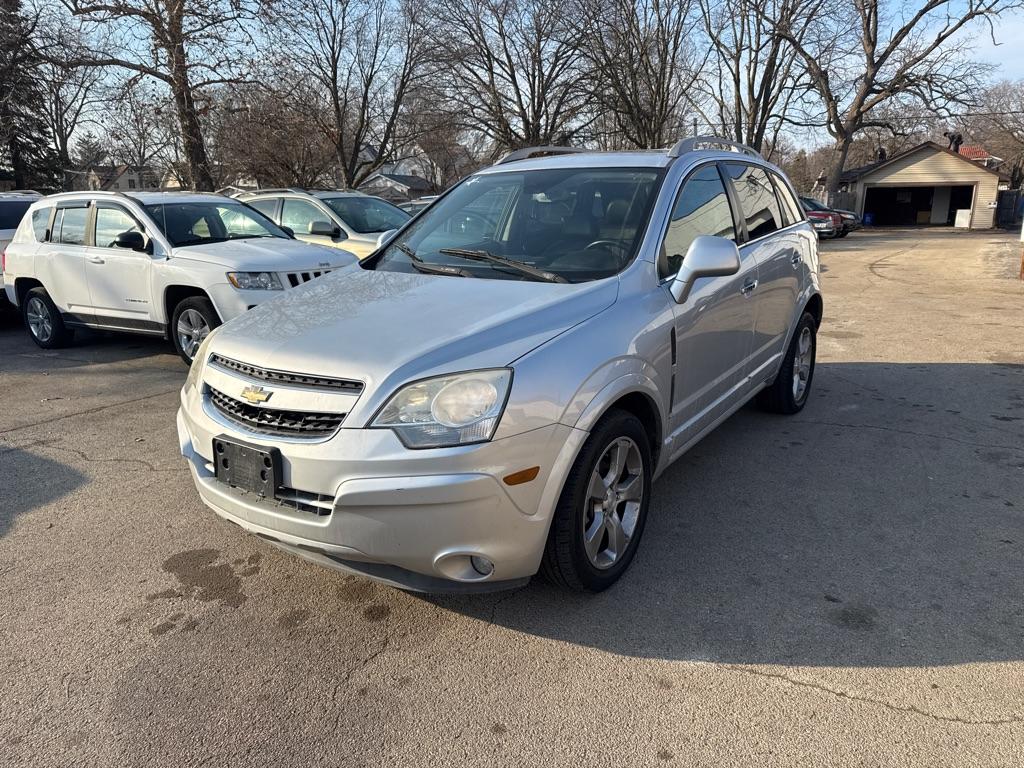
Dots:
{"x": 412, "y": 207}
{"x": 12, "y": 207}
{"x": 350, "y": 220}
{"x": 465, "y": 408}
{"x": 167, "y": 264}
{"x": 826, "y": 225}
{"x": 849, "y": 221}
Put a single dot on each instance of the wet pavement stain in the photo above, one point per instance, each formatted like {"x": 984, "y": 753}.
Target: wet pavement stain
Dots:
{"x": 859, "y": 617}
{"x": 293, "y": 619}
{"x": 205, "y": 580}
{"x": 376, "y": 612}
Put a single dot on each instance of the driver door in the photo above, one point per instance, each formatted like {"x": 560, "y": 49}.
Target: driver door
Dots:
{"x": 714, "y": 327}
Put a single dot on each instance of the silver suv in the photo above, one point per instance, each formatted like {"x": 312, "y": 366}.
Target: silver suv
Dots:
{"x": 349, "y": 220}
{"x": 495, "y": 390}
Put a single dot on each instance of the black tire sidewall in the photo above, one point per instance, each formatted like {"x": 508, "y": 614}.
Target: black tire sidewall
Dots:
{"x": 618, "y": 424}
{"x": 199, "y": 304}
{"x": 786, "y": 375}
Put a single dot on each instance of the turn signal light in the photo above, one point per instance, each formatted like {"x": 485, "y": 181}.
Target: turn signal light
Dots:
{"x": 522, "y": 476}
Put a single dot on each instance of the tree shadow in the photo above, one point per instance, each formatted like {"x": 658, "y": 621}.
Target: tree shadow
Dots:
{"x": 29, "y": 481}
{"x": 883, "y": 526}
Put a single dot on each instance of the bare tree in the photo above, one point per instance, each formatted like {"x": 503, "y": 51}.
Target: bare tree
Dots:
{"x": 513, "y": 69}
{"x": 189, "y": 45}
{"x": 864, "y": 54}
{"x": 757, "y": 77}
{"x": 642, "y": 67}
{"x": 1000, "y": 127}
{"x": 363, "y": 56}
{"x": 136, "y": 127}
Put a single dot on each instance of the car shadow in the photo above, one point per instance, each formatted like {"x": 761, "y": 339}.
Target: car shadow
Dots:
{"x": 882, "y": 526}
{"x": 38, "y": 481}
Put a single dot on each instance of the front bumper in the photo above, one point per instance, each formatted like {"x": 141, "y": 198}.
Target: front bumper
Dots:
{"x": 409, "y": 518}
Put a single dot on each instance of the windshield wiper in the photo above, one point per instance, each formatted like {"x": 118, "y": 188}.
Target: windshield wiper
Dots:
{"x": 427, "y": 268}
{"x": 518, "y": 266}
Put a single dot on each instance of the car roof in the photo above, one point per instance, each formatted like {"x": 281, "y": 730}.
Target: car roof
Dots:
{"x": 143, "y": 198}
{"x": 21, "y": 194}
{"x": 320, "y": 194}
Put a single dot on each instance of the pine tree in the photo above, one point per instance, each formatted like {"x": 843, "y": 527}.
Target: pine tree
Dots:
{"x": 25, "y": 147}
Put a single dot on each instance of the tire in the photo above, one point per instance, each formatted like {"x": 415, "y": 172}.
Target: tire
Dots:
{"x": 43, "y": 321}
{"x": 785, "y": 395}
{"x": 191, "y": 322}
{"x": 844, "y": 233}
{"x": 568, "y": 562}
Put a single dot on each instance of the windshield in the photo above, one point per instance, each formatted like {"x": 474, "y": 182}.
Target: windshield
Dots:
{"x": 574, "y": 223}
{"x": 812, "y": 204}
{"x": 367, "y": 214}
{"x": 210, "y": 222}
{"x": 11, "y": 212}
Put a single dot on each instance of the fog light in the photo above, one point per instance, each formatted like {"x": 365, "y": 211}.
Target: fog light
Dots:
{"x": 482, "y": 565}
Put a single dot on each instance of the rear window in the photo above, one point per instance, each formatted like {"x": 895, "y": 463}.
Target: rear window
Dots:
{"x": 757, "y": 199}
{"x": 11, "y": 212}
{"x": 69, "y": 226}
{"x": 367, "y": 214}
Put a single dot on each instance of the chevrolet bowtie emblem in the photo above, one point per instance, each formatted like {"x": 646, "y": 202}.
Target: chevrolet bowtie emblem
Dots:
{"x": 256, "y": 395}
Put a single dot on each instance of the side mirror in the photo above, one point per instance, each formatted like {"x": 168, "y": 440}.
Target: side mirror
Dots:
{"x": 324, "y": 229}
{"x": 288, "y": 231}
{"x": 707, "y": 256}
{"x": 133, "y": 241}
{"x": 384, "y": 237}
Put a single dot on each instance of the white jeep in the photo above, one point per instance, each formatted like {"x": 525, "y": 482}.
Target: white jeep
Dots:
{"x": 169, "y": 264}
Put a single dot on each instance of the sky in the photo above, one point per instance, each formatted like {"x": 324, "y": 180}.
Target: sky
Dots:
{"x": 1009, "y": 56}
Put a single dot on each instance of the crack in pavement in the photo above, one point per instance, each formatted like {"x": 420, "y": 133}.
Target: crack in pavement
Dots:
{"x": 350, "y": 673}
{"x": 87, "y": 411}
{"x": 52, "y": 444}
{"x": 904, "y": 708}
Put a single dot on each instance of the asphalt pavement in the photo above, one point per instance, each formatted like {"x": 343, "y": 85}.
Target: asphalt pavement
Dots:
{"x": 842, "y": 587}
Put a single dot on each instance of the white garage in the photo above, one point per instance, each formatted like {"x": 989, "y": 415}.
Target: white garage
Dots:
{"x": 927, "y": 185}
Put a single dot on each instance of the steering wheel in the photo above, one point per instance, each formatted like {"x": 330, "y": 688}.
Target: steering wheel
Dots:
{"x": 607, "y": 245}
{"x": 463, "y": 224}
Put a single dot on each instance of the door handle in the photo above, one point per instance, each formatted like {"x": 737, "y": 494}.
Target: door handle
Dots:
{"x": 748, "y": 288}
{"x": 96, "y": 259}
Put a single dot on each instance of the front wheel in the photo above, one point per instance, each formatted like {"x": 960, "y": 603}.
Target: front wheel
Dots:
{"x": 788, "y": 393}
{"x": 191, "y": 323}
{"x": 603, "y": 507}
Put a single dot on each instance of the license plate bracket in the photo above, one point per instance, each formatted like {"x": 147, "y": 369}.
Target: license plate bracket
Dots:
{"x": 251, "y": 468}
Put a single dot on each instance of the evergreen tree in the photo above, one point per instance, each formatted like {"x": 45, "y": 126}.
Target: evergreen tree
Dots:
{"x": 25, "y": 147}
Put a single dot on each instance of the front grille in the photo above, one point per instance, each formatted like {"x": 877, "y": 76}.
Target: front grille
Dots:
{"x": 295, "y": 279}
{"x": 272, "y": 421}
{"x": 282, "y": 377}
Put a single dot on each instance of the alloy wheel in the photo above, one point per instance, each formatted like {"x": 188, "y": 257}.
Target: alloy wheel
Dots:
{"x": 40, "y": 322}
{"x": 192, "y": 329}
{"x": 802, "y": 359}
{"x": 612, "y": 508}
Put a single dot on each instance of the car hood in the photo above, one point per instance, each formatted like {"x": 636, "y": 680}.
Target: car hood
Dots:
{"x": 387, "y": 328}
{"x": 271, "y": 254}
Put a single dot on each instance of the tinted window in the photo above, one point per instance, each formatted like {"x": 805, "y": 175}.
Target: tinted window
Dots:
{"x": 577, "y": 223}
{"x": 367, "y": 214}
{"x": 267, "y": 207}
{"x": 111, "y": 222}
{"x": 70, "y": 226}
{"x": 11, "y": 212}
{"x": 299, "y": 215}
{"x": 40, "y": 221}
{"x": 702, "y": 208}
{"x": 757, "y": 199}
{"x": 790, "y": 207}
{"x": 197, "y": 223}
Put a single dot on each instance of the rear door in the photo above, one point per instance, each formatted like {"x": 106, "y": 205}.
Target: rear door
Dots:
{"x": 61, "y": 261}
{"x": 714, "y": 326}
{"x": 120, "y": 280}
{"x": 777, "y": 251}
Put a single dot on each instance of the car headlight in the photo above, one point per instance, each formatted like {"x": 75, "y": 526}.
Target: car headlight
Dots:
{"x": 447, "y": 411}
{"x": 255, "y": 281}
{"x": 195, "y": 371}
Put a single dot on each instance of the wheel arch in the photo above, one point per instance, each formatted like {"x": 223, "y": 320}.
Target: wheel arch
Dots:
{"x": 636, "y": 394}
{"x": 23, "y": 285}
{"x": 176, "y": 293}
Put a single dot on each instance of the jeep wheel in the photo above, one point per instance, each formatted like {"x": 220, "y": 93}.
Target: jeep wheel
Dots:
{"x": 602, "y": 511}
{"x": 43, "y": 320}
{"x": 788, "y": 393}
{"x": 191, "y": 323}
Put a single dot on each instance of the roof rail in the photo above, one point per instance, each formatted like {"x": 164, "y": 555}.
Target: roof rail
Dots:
{"x": 692, "y": 143}
{"x": 270, "y": 190}
{"x": 528, "y": 152}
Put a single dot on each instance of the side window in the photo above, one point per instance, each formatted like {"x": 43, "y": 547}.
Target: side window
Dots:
{"x": 701, "y": 208}
{"x": 297, "y": 215}
{"x": 40, "y": 223}
{"x": 71, "y": 230}
{"x": 111, "y": 222}
{"x": 757, "y": 199}
{"x": 790, "y": 207}
{"x": 268, "y": 207}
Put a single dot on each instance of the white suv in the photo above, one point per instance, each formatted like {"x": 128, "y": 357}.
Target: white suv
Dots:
{"x": 168, "y": 264}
